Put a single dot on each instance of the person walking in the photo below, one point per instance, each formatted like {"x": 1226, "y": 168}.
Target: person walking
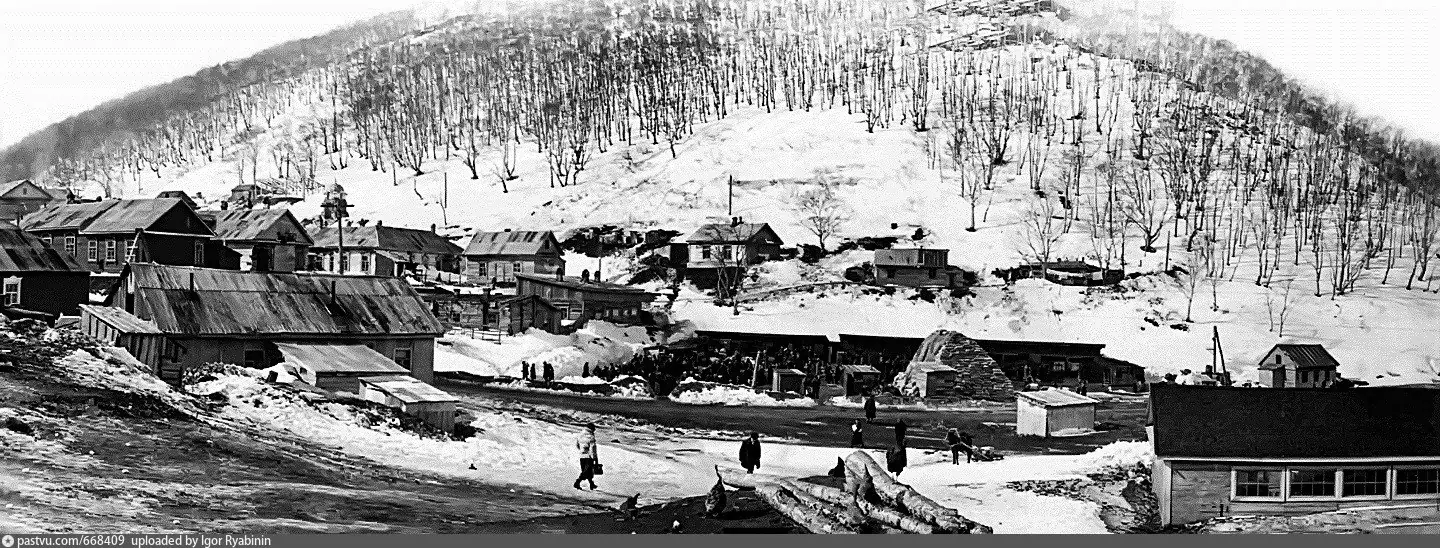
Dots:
{"x": 549, "y": 373}
{"x": 857, "y": 434}
{"x": 750, "y": 453}
{"x": 870, "y": 408}
{"x": 589, "y": 456}
{"x": 900, "y": 432}
{"x": 895, "y": 460}
{"x": 952, "y": 439}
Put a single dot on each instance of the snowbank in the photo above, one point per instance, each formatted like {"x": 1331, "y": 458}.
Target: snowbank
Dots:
{"x": 847, "y": 402}
{"x": 1117, "y": 456}
{"x": 691, "y": 392}
{"x": 598, "y": 344}
{"x": 582, "y": 380}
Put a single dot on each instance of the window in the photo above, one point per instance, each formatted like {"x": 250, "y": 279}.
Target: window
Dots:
{"x": 727, "y": 253}
{"x": 92, "y": 252}
{"x": 1417, "y": 481}
{"x": 484, "y": 271}
{"x": 199, "y": 253}
{"x": 255, "y": 358}
{"x": 575, "y": 313}
{"x": 402, "y": 357}
{"x": 364, "y": 262}
{"x": 12, "y": 292}
{"x": 1312, "y": 483}
{"x": 1257, "y": 483}
{"x": 109, "y": 251}
{"x": 129, "y": 251}
{"x": 47, "y": 240}
{"x": 70, "y": 245}
{"x": 889, "y": 273}
{"x": 1304, "y": 376}
{"x": 1365, "y": 483}
{"x": 932, "y": 273}
{"x": 515, "y": 267}
{"x": 705, "y": 252}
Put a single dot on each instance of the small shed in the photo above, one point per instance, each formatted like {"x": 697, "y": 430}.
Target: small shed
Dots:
{"x": 338, "y": 367}
{"x": 116, "y": 327}
{"x": 789, "y": 380}
{"x": 1048, "y": 413}
{"x": 412, "y": 397}
{"x": 859, "y": 379}
{"x": 933, "y": 379}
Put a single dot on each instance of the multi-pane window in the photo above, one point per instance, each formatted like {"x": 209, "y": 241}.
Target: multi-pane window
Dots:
{"x": 1417, "y": 481}
{"x": 1365, "y": 483}
{"x": 199, "y": 253}
{"x": 92, "y": 250}
{"x": 70, "y": 245}
{"x": 11, "y": 295}
{"x": 704, "y": 252}
{"x": 515, "y": 267}
{"x": 365, "y": 262}
{"x": 402, "y": 357}
{"x": 1312, "y": 483}
{"x": 109, "y": 251}
{"x": 1257, "y": 483}
{"x": 129, "y": 251}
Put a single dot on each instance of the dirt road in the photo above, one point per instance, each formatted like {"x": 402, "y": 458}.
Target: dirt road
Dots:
{"x": 826, "y": 425}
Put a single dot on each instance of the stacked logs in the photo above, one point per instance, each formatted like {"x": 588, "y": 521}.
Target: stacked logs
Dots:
{"x": 870, "y": 496}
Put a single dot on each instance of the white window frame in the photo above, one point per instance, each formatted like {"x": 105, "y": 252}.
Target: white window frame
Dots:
{"x": 1389, "y": 473}
{"x": 92, "y": 250}
{"x": 6, "y": 295}
{"x": 199, "y": 253}
{"x": 48, "y": 241}
{"x": 70, "y": 245}
{"x": 1235, "y": 484}
{"x": 1395, "y": 482}
{"x": 129, "y": 251}
{"x": 1334, "y": 483}
{"x": 109, "y": 251}
{"x": 705, "y": 252}
{"x": 364, "y": 262}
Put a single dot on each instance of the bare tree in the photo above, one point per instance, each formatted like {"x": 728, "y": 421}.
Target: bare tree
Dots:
{"x": 1043, "y": 229}
{"x": 821, "y": 209}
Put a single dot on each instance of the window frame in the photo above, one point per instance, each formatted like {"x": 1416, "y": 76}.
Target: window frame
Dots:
{"x": 1395, "y": 482}
{"x": 199, "y": 255}
{"x": 70, "y": 245}
{"x": 1386, "y": 482}
{"x": 1280, "y": 488}
{"x": 409, "y": 356}
{"x": 110, "y": 251}
{"x": 1335, "y": 488}
{"x": 364, "y": 262}
{"x": 5, "y": 292}
{"x": 129, "y": 247}
{"x": 92, "y": 250}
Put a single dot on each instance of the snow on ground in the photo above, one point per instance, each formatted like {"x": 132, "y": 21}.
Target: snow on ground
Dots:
{"x": 858, "y": 403}
{"x": 598, "y": 344}
{"x": 735, "y": 396}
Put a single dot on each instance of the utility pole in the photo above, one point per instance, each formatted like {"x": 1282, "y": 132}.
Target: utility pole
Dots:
{"x": 731, "y": 208}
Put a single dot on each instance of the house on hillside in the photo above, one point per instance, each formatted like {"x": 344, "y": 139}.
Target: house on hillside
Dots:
{"x": 107, "y": 235}
{"x": 228, "y": 316}
{"x": 378, "y": 250}
{"x": 268, "y": 240}
{"x": 496, "y": 257}
{"x": 23, "y": 197}
{"x": 581, "y": 299}
{"x": 717, "y": 248}
{"x": 1223, "y": 451}
{"x": 1063, "y": 272}
{"x": 916, "y": 268}
{"x": 1298, "y": 366}
{"x": 1062, "y": 363}
{"x": 37, "y": 277}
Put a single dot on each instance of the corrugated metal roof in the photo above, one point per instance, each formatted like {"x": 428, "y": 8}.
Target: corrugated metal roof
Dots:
{"x": 408, "y": 389}
{"x": 518, "y": 242}
{"x": 573, "y": 282}
{"x": 1306, "y": 356}
{"x": 723, "y": 232}
{"x": 12, "y": 185}
{"x": 389, "y": 238}
{"x": 230, "y": 302}
{"x": 103, "y": 217}
{"x": 26, "y": 253}
{"x": 338, "y": 358}
{"x": 119, "y": 319}
{"x": 251, "y": 224}
{"x": 860, "y": 368}
{"x": 66, "y": 216}
{"x": 1056, "y": 398}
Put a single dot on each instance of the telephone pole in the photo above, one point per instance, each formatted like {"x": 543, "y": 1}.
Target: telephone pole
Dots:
{"x": 731, "y": 207}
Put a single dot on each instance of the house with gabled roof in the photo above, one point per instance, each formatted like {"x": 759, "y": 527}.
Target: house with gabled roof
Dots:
{"x": 496, "y": 257}
{"x": 716, "y": 248}
{"x": 107, "y": 235}
{"x": 260, "y": 319}
{"x": 1298, "y": 366}
{"x": 268, "y": 240}
{"x": 379, "y": 250}
{"x": 37, "y": 277}
{"x": 23, "y": 197}
{"x": 1223, "y": 451}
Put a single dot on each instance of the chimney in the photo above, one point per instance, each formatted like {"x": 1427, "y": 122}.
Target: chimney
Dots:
{"x": 433, "y": 228}
{"x": 192, "y": 282}
{"x": 560, "y": 273}
{"x": 332, "y": 290}
{"x": 379, "y": 222}
{"x": 734, "y": 221}
{"x": 584, "y": 276}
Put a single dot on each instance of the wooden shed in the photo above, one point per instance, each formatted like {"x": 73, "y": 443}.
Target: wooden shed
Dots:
{"x": 1053, "y": 412}
{"x": 116, "y": 327}
{"x": 789, "y": 380}
{"x": 412, "y": 397}
{"x": 859, "y": 379}
{"x": 933, "y": 379}
{"x": 338, "y": 367}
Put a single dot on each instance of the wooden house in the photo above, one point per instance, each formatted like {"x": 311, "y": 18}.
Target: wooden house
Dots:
{"x": 179, "y": 195}
{"x": 1223, "y": 451}
{"x": 496, "y": 257}
{"x": 1298, "y": 366}
{"x": 268, "y": 240}
{"x": 916, "y": 268}
{"x": 1061, "y": 363}
{"x": 788, "y": 380}
{"x": 107, "y": 235}
{"x": 581, "y": 299}
{"x": 733, "y": 246}
{"x": 23, "y": 197}
{"x": 412, "y": 397}
{"x": 37, "y": 277}
{"x": 245, "y": 195}
{"x": 378, "y": 250}
{"x": 1046, "y": 413}
{"x": 236, "y": 317}
{"x": 520, "y": 313}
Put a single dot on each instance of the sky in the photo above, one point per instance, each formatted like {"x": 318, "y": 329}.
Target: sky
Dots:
{"x": 61, "y": 57}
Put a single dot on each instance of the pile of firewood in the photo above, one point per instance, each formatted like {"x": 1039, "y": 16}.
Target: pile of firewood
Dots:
{"x": 871, "y": 498}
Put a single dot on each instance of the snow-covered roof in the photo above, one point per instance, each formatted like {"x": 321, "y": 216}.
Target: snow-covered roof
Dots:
{"x": 517, "y": 242}
{"x": 1056, "y": 398}
{"x": 338, "y": 358}
{"x": 408, "y": 389}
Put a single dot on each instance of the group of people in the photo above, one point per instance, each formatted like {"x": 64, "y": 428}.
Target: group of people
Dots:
{"x": 546, "y": 372}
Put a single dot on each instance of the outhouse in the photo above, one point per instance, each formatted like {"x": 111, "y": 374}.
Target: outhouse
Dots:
{"x": 859, "y": 379}
{"x": 789, "y": 380}
{"x": 1048, "y": 413}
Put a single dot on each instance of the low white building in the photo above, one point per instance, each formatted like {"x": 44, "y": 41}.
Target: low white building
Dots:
{"x": 1053, "y": 412}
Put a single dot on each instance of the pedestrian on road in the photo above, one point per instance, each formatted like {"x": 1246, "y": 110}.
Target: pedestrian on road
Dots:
{"x": 857, "y": 434}
{"x": 750, "y": 453}
{"x": 524, "y": 371}
{"x": 549, "y": 373}
{"x": 589, "y": 456}
{"x": 900, "y": 432}
{"x": 895, "y": 460}
{"x": 870, "y": 408}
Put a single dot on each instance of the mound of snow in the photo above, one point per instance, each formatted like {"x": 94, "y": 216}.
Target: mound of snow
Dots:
{"x": 692, "y": 392}
{"x": 1117, "y": 456}
{"x": 582, "y": 380}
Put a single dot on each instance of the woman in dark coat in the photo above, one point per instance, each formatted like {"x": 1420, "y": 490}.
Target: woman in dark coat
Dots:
{"x": 857, "y": 434}
{"x": 900, "y": 432}
{"x": 869, "y": 408}
{"x": 750, "y": 453}
{"x": 895, "y": 460}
